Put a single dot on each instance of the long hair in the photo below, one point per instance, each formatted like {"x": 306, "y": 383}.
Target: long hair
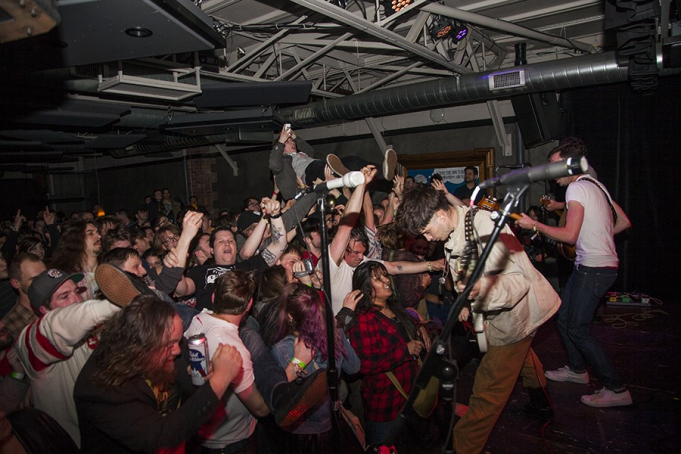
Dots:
{"x": 131, "y": 340}
{"x": 362, "y": 281}
{"x": 266, "y": 306}
{"x": 69, "y": 254}
{"x": 306, "y": 310}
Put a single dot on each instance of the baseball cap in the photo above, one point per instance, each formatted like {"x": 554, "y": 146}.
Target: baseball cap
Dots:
{"x": 246, "y": 219}
{"x": 46, "y": 283}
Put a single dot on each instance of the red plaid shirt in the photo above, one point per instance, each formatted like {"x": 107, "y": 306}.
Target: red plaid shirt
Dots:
{"x": 381, "y": 348}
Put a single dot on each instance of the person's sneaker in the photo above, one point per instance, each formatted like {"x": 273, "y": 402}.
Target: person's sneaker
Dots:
{"x": 566, "y": 374}
{"x": 389, "y": 164}
{"x": 336, "y": 165}
{"x": 292, "y": 400}
{"x": 607, "y": 398}
{"x": 118, "y": 286}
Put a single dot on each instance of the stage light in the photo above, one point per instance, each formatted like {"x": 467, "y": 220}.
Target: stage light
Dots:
{"x": 391, "y": 7}
{"x": 442, "y": 27}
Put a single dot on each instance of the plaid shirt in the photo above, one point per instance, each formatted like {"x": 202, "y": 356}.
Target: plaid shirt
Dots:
{"x": 381, "y": 348}
{"x": 18, "y": 318}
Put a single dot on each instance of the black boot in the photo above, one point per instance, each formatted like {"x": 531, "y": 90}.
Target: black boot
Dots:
{"x": 539, "y": 406}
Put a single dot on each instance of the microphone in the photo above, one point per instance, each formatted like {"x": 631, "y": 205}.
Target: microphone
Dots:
{"x": 515, "y": 166}
{"x": 550, "y": 171}
{"x": 349, "y": 180}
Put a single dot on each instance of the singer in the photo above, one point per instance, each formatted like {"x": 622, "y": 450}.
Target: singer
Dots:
{"x": 592, "y": 221}
{"x": 518, "y": 296}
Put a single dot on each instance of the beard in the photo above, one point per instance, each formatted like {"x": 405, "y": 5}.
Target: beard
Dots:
{"x": 160, "y": 376}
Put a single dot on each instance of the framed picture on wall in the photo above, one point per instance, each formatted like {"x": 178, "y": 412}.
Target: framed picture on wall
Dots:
{"x": 449, "y": 165}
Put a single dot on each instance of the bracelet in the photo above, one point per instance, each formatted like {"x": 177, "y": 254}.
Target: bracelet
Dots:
{"x": 299, "y": 367}
{"x": 18, "y": 375}
{"x": 275, "y": 216}
{"x": 430, "y": 267}
{"x": 534, "y": 227}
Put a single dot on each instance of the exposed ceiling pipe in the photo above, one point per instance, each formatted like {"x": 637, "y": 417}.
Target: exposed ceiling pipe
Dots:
{"x": 583, "y": 71}
{"x": 508, "y": 27}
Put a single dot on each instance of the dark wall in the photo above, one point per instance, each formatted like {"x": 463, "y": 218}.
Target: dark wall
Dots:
{"x": 634, "y": 144}
{"x": 126, "y": 187}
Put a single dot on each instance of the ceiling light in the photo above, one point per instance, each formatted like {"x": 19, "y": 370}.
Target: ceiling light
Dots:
{"x": 138, "y": 32}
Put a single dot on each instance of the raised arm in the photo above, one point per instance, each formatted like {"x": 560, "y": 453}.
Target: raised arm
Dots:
{"x": 279, "y": 240}
{"x": 350, "y": 215}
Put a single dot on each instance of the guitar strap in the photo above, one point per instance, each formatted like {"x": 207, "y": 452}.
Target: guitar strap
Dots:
{"x": 612, "y": 208}
{"x": 470, "y": 249}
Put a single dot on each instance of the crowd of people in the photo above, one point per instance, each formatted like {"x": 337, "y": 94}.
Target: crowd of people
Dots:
{"x": 97, "y": 310}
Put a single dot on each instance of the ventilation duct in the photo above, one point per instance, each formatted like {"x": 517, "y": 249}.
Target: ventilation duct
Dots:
{"x": 587, "y": 70}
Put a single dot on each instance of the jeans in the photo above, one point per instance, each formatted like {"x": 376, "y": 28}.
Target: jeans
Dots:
{"x": 581, "y": 295}
{"x": 268, "y": 374}
{"x": 377, "y": 431}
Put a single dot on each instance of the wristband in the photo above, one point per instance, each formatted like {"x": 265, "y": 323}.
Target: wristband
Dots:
{"x": 275, "y": 216}
{"x": 430, "y": 267}
{"x": 299, "y": 363}
{"x": 534, "y": 227}
{"x": 18, "y": 375}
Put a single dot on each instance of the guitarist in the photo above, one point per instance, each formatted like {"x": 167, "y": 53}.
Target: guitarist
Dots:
{"x": 593, "y": 219}
{"x": 514, "y": 295}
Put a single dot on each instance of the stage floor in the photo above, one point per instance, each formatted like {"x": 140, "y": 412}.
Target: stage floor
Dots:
{"x": 644, "y": 346}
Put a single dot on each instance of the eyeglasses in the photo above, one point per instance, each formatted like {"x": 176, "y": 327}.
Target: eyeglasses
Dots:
{"x": 170, "y": 239}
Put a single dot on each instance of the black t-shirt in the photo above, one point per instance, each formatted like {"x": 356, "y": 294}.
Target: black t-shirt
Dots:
{"x": 463, "y": 192}
{"x": 204, "y": 277}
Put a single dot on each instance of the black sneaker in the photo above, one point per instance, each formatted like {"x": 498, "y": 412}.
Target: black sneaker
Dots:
{"x": 292, "y": 400}
{"x": 118, "y": 286}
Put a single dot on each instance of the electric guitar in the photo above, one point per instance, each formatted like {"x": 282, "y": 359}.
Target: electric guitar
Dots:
{"x": 491, "y": 204}
{"x": 466, "y": 264}
{"x": 568, "y": 251}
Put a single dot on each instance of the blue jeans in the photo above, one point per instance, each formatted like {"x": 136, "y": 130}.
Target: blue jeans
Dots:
{"x": 581, "y": 295}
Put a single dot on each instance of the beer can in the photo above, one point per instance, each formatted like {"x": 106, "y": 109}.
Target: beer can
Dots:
{"x": 198, "y": 358}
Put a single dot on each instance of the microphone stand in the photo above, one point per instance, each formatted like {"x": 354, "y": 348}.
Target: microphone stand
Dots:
{"x": 435, "y": 363}
{"x": 331, "y": 369}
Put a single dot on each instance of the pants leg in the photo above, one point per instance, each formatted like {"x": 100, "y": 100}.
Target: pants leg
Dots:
{"x": 268, "y": 374}
{"x": 533, "y": 371}
{"x": 494, "y": 381}
{"x": 575, "y": 359}
{"x": 590, "y": 284}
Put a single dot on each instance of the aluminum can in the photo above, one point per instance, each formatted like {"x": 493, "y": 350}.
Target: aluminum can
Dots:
{"x": 198, "y": 358}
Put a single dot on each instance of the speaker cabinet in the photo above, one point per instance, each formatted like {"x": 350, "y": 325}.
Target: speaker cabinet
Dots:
{"x": 540, "y": 117}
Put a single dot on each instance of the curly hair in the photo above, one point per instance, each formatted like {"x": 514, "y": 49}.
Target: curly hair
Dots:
{"x": 131, "y": 340}
{"x": 362, "y": 281}
{"x": 418, "y": 208}
{"x": 306, "y": 309}
{"x": 69, "y": 255}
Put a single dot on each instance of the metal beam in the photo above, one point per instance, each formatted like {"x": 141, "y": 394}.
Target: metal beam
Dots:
{"x": 365, "y": 26}
{"x": 508, "y": 27}
{"x": 223, "y": 151}
{"x": 312, "y": 57}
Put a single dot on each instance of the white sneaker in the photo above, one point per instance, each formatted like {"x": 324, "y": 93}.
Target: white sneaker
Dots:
{"x": 566, "y": 374}
{"x": 607, "y": 398}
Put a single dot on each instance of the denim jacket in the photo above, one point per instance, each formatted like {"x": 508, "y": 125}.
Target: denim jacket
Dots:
{"x": 318, "y": 419}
